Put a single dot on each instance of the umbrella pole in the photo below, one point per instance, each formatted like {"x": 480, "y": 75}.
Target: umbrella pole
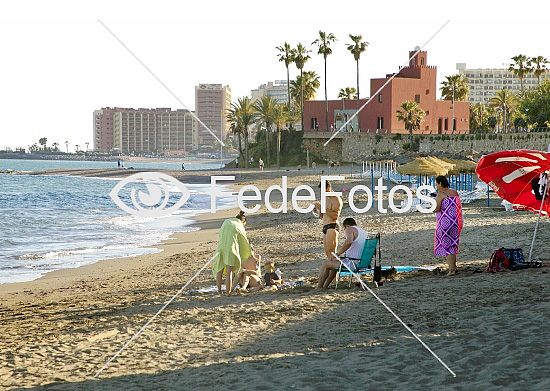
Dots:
{"x": 537, "y": 224}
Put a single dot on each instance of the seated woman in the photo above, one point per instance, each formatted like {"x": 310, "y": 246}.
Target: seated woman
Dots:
{"x": 233, "y": 249}
{"x": 249, "y": 276}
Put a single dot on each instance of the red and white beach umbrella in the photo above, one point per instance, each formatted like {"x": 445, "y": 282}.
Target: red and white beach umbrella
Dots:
{"x": 519, "y": 177}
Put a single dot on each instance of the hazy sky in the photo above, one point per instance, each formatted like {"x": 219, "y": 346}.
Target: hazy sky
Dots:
{"x": 58, "y": 64}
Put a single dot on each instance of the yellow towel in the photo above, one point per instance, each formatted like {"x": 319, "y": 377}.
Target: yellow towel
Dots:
{"x": 233, "y": 247}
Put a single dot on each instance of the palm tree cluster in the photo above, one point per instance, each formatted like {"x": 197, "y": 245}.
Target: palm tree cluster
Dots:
{"x": 523, "y": 66}
{"x": 266, "y": 113}
{"x": 306, "y": 84}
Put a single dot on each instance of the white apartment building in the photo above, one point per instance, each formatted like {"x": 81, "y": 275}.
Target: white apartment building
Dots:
{"x": 484, "y": 83}
{"x": 277, "y": 89}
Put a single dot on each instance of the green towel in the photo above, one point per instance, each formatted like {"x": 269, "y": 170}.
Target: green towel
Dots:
{"x": 233, "y": 247}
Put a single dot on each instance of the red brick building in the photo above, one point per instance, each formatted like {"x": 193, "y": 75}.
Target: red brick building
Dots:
{"x": 416, "y": 82}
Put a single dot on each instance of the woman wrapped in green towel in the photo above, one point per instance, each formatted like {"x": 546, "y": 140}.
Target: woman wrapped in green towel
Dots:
{"x": 233, "y": 250}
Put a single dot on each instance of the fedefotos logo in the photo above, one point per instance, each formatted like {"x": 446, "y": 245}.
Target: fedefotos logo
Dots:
{"x": 153, "y": 201}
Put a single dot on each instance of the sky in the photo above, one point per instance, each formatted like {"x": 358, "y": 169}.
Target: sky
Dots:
{"x": 58, "y": 63}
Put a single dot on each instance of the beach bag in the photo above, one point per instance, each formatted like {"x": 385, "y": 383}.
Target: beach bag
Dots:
{"x": 498, "y": 261}
{"x": 514, "y": 255}
{"x": 377, "y": 271}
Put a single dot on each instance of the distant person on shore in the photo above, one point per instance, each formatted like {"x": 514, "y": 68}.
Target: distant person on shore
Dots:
{"x": 237, "y": 163}
{"x": 330, "y": 232}
{"x": 251, "y": 160}
{"x": 449, "y": 223}
{"x": 183, "y": 166}
{"x": 314, "y": 166}
{"x": 122, "y": 164}
{"x": 118, "y": 163}
{"x": 261, "y": 164}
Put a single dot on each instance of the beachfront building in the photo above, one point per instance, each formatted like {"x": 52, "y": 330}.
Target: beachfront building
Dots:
{"x": 211, "y": 104}
{"x": 484, "y": 83}
{"x": 277, "y": 89}
{"x": 143, "y": 131}
{"x": 415, "y": 82}
{"x": 103, "y": 130}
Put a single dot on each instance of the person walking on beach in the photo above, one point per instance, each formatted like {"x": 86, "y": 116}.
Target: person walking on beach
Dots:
{"x": 183, "y": 166}
{"x": 261, "y": 164}
{"x": 330, "y": 233}
{"x": 118, "y": 163}
{"x": 237, "y": 163}
{"x": 449, "y": 223}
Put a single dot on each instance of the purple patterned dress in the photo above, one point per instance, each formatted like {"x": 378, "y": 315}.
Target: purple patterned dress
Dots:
{"x": 449, "y": 225}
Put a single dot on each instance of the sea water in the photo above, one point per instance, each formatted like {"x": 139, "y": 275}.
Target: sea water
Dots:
{"x": 51, "y": 222}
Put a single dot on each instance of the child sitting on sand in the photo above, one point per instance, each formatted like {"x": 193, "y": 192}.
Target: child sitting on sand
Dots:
{"x": 271, "y": 278}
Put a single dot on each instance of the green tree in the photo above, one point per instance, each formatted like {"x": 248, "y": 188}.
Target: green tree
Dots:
{"x": 478, "y": 116}
{"x": 242, "y": 113}
{"x": 324, "y": 49}
{"x": 55, "y": 147}
{"x": 265, "y": 113}
{"x": 535, "y": 106}
{"x": 507, "y": 101}
{"x": 280, "y": 116}
{"x": 356, "y": 48}
{"x": 43, "y": 142}
{"x": 539, "y": 66}
{"x": 455, "y": 88}
{"x": 286, "y": 55}
{"x": 235, "y": 127}
{"x": 521, "y": 67}
{"x": 300, "y": 58}
{"x": 306, "y": 90}
{"x": 412, "y": 115}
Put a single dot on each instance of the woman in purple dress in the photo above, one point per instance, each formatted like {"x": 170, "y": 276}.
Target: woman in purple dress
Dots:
{"x": 449, "y": 223}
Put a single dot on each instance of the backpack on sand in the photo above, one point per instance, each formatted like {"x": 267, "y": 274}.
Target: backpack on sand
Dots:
{"x": 498, "y": 262}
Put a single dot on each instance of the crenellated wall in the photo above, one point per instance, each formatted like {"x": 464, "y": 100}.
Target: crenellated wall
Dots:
{"x": 349, "y": 147}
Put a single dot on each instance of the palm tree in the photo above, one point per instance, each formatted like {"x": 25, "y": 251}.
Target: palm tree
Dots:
{"x": 356, "y": 49}
{"x": 521, "y": 67}
{"x": 286, "y": 55}
{"x": 55, "y": 147}
{"x": 43, "y": 142}
{"x": 264, "y": 110}
{"x": 300, "y": 58}
{"x": 243, "y": 115}
{"x": 308, "y": 88}
{"x": 540, "y": 68}
{"x": 508, "y": 100}
{"x": 478, "y": 116}
{"x": 455, "y": 88}
{"x": 323, "y": 42}
{"x": 87, "y": 145}
{"x": 67, "y": 146}
{"x": 412, "y": 115}
{"x": 77, "y": 147}
{"x": 280, "y": 116}
{"x": 235, "y": 127}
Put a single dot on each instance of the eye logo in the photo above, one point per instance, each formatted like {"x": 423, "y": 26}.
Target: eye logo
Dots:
{"x": 155, "y": 199}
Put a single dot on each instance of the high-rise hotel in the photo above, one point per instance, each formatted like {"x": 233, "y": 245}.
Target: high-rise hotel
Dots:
{"x": 212, "y": 101}
{"x": 136, "y": 131}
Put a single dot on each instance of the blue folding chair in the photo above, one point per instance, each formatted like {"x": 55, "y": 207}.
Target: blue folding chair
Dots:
{"x": 364, "y": 264}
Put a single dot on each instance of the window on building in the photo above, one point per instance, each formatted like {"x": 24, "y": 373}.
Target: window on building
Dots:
{"x": 417, "y": 98}
{"x": 439, "y": 124}
{"x": 379, "y": 98}
{"x": 427, "y": 92}
{"x": 314, "y": 124}
{"x": 428, "y": 112}
{"x": 422, "y": 61}
{"x": 380, "y": 123}
{"x": 446, "y": 123}
{"x": 454, "y": 124}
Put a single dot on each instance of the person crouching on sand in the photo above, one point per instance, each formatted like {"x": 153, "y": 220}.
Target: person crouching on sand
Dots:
{"x": 271, "y": 278}
{"x": 232, "y": 251}
{"x": 330, "y": 233}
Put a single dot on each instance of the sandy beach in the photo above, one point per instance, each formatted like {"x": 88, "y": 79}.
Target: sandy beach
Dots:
{"x": 490, "y": 329}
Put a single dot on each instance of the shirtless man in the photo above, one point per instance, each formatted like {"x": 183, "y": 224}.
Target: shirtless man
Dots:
{"x": 330, "y": 231}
